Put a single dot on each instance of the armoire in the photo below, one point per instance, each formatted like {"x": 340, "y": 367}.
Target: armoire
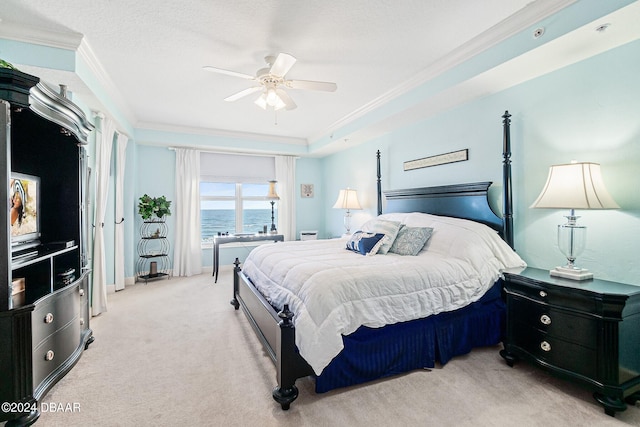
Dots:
{"x": 44, "y": 266}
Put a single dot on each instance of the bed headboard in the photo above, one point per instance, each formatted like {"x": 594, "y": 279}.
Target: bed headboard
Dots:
{"x": 467, "y": 201}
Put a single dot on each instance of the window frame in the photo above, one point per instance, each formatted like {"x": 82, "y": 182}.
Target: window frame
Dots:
{"x": 238, "y": 200}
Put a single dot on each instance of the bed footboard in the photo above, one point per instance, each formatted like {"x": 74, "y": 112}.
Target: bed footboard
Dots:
{"x": 276, "y": 332}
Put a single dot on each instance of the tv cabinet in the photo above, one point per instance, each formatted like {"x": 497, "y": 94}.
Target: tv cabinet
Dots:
{"x": 44, "y": 332}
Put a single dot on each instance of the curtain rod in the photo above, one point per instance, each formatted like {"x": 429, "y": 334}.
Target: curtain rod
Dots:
{"x": 237, "y": 153}
{"x": 100, "y": 115}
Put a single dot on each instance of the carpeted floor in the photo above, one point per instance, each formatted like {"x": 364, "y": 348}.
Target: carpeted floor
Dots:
{"x": 174, "y": 352}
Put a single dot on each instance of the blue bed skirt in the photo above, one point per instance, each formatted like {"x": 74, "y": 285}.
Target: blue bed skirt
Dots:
{"x": 373, "y": 353}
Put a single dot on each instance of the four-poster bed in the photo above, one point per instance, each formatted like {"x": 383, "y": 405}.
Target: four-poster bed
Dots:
{"x": 371, "y": 352}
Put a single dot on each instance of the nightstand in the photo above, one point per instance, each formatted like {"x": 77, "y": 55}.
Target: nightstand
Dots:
{"x": 587, "y": 332}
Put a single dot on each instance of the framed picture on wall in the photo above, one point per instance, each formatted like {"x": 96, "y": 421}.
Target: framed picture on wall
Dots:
{"x": 306, "y": 190}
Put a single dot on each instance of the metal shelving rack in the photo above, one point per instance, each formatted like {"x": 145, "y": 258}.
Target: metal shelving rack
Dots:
{"x": 153, "y": 251}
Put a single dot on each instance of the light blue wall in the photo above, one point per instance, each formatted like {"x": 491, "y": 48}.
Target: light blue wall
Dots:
{"x": 309, "y": 211}
{"x": 587, "y": 111}
{"x": 155, "y": 170}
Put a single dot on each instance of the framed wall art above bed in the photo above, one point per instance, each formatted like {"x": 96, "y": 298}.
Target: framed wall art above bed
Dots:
{"x": 324, "y": 311}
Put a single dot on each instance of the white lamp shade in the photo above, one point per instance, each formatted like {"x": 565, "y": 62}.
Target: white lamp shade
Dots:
{"x": 261, "y": 101}
{"x": 575, "y": 186}
{"x": 272, "y": 191}
{"x": 347, "y": 199}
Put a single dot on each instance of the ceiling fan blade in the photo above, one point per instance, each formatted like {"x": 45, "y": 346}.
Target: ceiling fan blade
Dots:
{"x": 243, "y": 93}
{"x": 287, "y": 102}
{"x": 228, "y": 73}
{"x": 311, "y": 85}
{"x": 282, "y": 64}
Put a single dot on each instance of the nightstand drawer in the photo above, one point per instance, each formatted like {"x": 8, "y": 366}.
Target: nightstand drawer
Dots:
{"x": 556, "y": 296}
{"x": 568, "y": 326}
{"x": 556, "y": 352}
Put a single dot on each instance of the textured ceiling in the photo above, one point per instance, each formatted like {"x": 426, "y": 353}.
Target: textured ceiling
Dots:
{"x": 150, "y": 53}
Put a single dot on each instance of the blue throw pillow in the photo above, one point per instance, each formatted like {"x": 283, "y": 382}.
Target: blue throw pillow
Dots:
{"x": 365, "y": 243}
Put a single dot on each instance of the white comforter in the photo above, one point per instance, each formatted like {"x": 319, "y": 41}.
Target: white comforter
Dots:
{"x": 333, "y": 291}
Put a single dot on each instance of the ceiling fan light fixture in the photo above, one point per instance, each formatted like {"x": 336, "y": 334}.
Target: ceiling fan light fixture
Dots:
{"x": 279, "y": 105}
{"x": 261, "y": 101}
{"x": 272, "y": 98}
{"x": 271, "y": 80}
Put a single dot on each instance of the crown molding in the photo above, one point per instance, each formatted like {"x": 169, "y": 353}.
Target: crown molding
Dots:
{"x": 85, "y": 52}
{"x": 77, "y": 43}
{"x": 160, "y": 127}
{"x": 509, "y": 27}
{"x": 27, "y": 34}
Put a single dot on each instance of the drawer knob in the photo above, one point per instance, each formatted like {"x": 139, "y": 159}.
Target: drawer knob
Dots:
{"x": 543, "y": 294}
{"x": 545, "y": 320}
{"x": 48, "y": 318}
{"x": 49, "y": 356}
{"x": 81, "y": 322}
{"x": 81, "y": 292}
{"x": 545, "y": 346}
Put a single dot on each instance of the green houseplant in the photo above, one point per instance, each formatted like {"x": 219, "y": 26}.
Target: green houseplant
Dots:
{"x": 154, "y": 206}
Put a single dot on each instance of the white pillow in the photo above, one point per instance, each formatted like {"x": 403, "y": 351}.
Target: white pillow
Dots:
{"x": 464, "y": 239}
{"x": 388, "y": 228}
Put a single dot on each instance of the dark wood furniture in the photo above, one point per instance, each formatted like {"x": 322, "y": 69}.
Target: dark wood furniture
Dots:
{"x": 587, "y": 332}
{"x": 238, "y": 238}
{"x": 42, "y": 134}
{"x": 275, "y": 328}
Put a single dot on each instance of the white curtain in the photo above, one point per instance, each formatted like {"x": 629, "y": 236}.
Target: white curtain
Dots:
{"x": 119, "y": 232}
{"x": 104, "y": 140}
{"x": 187, "y": 252}
{"x": 286, "y": 177}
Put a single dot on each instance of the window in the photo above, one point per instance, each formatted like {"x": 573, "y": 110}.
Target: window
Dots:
{"x": 234, "y": 208}
{"x": 233, "y": 191}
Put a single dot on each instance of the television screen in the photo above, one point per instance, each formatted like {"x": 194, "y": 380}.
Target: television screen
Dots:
{"x": 23, "y": 210}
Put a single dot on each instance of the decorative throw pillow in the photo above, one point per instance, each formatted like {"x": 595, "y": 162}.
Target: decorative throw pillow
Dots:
{"x": 365, "y": 243}
{"x": 390, "y": 231}
{"x": 411, "y": 240}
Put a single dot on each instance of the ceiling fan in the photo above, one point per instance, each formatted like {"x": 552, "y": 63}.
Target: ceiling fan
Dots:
{"x": 271, "y": 82}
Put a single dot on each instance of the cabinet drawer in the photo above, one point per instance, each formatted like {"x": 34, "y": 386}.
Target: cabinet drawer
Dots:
{"x": 568, "y": 326}
{"x": 561, "y": 297}
{"x": 555, "y": 351}
{"x": 53, "y": 312}
{"x": 53, "y": 351}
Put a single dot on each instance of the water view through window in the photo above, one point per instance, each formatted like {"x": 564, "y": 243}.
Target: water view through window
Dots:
{"x": 234, "y": 208}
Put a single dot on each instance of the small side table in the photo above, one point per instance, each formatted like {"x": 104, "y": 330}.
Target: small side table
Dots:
{"x": 587, "y": 332}
{"x": 234, "y": 238}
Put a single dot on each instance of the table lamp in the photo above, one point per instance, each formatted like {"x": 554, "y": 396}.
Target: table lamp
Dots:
{"x": 273, "y": 196}
{"x": 574, "y": 186}
{"x": 347, "y": 199}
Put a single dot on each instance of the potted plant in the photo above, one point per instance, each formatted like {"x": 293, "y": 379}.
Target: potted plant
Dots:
{"x": 154, "y": 206}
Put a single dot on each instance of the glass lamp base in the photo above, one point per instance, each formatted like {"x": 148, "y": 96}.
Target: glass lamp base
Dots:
{"x": 572, "y": 273}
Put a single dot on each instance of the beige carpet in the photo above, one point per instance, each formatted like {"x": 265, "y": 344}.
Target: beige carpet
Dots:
{"x": 175, "y": 353}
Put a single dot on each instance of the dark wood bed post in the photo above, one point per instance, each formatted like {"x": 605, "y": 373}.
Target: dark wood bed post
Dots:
{"x": 234, "y": 301}
{"x": 289, "y": 364}
{"x": 379, "y": 185}
{"x": 286, "y": 358}
{"x": 506, "y": 180}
